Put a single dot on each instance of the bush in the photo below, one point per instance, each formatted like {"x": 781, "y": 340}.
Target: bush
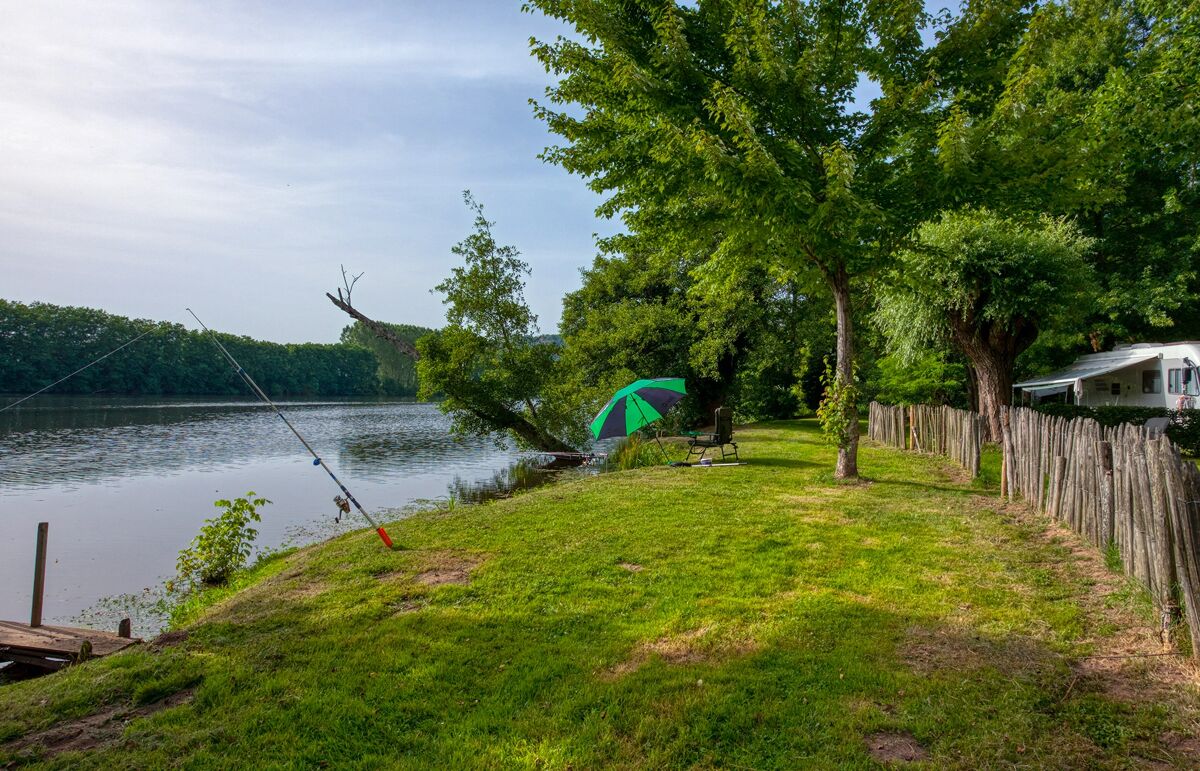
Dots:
{"x": 638, "y": 451}
{"x": 224, "y": 543}
{"x": 1184, "y": 429}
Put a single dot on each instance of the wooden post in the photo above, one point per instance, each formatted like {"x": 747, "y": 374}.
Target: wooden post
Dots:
{"x": 125, "y": 629}
{"x": 39, "y": 574}
{"x": 1109, "y": 517}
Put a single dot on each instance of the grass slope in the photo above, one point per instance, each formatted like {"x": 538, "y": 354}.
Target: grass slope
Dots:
{"x": 759, "y": 616}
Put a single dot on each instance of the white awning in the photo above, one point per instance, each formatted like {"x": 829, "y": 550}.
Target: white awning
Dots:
{"x": 1083, "y": 371}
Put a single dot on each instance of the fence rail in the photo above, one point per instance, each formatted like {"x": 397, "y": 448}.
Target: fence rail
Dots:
{"x": 941, "y": 430}
{"x": 1119, "y": 486}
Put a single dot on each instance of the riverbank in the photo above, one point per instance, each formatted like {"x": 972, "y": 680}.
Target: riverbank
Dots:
{"x": 126, "y": 483}
{"x": 753, "y": 616}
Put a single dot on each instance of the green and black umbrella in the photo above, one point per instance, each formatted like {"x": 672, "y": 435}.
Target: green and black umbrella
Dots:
{"x": 638, "y": 404}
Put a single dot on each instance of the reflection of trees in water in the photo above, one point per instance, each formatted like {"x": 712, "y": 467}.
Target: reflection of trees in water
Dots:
{"x": 525, "y": 474}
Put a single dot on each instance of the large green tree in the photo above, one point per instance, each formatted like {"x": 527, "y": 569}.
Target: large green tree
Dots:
{"x": 740, "y": 113}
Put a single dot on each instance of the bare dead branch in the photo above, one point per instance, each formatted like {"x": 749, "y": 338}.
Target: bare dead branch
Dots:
{"x": 349, "y": 283}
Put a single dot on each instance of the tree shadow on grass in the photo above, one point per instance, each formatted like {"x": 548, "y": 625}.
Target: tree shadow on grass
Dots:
{"x": 777, "y": 462}
{"x": 892, "y": 482}
{"x": 485, "y": 675}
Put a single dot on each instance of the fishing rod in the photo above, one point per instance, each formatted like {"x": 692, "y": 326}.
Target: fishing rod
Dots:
{"x": 317, "y": 461}
{"x": 76, "y": 372}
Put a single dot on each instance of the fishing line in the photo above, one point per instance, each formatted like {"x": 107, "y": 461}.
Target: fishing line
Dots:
{"x": 76, "y": 372}
{"x": 317, "y": 461}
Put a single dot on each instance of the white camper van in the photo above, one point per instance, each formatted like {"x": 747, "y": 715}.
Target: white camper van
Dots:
{"x": 1138, "y": 375}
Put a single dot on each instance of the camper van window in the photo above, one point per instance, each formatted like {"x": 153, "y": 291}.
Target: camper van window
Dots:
{"x": 1180, "y": 381}
{"x": 1115, "y": 389}
{"x": 1151, "y": 381}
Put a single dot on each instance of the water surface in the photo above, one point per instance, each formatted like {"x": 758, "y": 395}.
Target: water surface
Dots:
{"x": 125, "y": 483}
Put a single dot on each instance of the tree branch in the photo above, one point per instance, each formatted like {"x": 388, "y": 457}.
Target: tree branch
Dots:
{"x": 381, "y": 330}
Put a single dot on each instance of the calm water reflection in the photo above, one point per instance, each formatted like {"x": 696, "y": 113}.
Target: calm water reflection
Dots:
{"x": 125, "y": 483}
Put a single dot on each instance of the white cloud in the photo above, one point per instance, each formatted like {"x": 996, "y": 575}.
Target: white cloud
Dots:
{"x": 149, "y": 149}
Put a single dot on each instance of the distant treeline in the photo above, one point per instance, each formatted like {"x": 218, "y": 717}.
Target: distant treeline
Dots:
{"x": 40, "y": 343}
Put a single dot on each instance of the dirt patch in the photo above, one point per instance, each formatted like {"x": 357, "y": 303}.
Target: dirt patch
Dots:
{"x": 440, "y": 568}
{"x": 632, "y": 567}
{"x": 98, "y": 730}
{"x": 445, "y": 575}
{"x": 1131, "y": 663}
{"x": 689, "y": 647}
{"x": 407, "y": 606}
{"x": 1183, "y": 747}
{"x": 895, "y": 747}
{"x": 169, "y": 639}
{"x": 957, "y": 647}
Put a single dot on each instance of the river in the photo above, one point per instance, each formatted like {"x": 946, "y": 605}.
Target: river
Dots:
{"x": 125, "y": 483}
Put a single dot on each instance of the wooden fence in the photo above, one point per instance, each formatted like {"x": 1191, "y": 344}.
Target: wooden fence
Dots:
{"x": 1118, "y": 486}
{"x": 956, "y": 434}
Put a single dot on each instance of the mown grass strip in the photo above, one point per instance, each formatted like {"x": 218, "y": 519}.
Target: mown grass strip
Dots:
{"x": 755, "y": 616}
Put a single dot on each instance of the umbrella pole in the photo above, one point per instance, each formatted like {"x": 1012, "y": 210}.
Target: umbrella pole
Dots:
{"x": 661, "y": 449}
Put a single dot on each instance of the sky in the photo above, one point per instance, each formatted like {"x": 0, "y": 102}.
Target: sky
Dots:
{"x": 230, "y": 156}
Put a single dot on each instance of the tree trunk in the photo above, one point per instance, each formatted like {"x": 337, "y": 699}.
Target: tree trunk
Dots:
{"x": 994, "y": 370}
{"x": 839, "y": 283}
{"x": 992, "y": 350}
{"x": 972, "y": 389}
{"x": 493, "y": 414}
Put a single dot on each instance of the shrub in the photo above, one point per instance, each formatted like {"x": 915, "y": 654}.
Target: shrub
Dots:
{"x": 834, "y": 412}
{"x": 224, "y": 543}
{"x": 638, "y": 451}
{"x": 1184, "y": 429}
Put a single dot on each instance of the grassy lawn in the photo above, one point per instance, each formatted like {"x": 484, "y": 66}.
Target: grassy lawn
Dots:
{"x": 752, "y": 617}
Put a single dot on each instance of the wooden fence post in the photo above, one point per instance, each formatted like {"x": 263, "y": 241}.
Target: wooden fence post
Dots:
{"x": 39, "y": 574}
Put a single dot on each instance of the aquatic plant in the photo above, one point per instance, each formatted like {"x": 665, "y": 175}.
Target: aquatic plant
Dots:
{"x": 224, "y": 543}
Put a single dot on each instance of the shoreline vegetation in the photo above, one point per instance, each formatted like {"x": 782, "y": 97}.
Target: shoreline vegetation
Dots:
{"x": 41, "y": 343}
{"x": 765, "y": 615}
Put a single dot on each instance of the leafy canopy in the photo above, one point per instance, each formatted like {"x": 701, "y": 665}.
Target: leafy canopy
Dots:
{"x": 977, "y": 273}
{"x": 486, "y": 363}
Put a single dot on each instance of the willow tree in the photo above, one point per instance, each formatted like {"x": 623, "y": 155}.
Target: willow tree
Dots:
{"x": 744, "y": 110}
{"x": 988, "y": 286}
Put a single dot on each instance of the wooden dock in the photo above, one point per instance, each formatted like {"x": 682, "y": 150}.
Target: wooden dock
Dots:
{"x": 54, "y": 647}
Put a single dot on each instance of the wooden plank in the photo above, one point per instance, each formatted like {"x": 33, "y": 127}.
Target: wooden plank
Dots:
{"x": 58, "y": 640}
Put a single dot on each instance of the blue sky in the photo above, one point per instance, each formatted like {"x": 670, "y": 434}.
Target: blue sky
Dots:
{"x": 230, "y": 155}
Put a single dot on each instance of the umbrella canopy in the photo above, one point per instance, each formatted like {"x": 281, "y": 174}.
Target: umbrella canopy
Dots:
{"x": 638, "y": 404}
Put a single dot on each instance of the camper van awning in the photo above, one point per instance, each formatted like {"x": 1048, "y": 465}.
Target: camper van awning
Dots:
{"x": 1082, "y": 371}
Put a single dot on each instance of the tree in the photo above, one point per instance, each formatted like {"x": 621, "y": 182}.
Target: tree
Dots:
{"x": 1086, "y": 109}
{"x": 740, "y": 114}
{"x": 397, "y": 371}
{"x": 987, "y": 285}
{"x": 485, "y": 364}
{"x": 485, "y": 361}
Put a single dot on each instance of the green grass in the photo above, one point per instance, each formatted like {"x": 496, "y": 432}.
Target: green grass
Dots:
{"x": 776, "y": 620}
